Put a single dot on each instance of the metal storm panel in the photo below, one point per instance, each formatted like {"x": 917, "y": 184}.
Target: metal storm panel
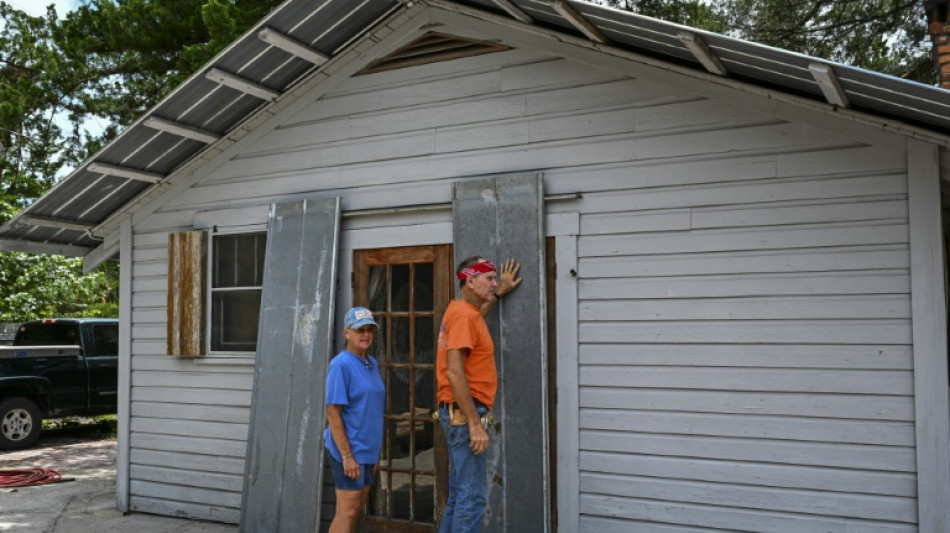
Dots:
{"x": 501, "y": 218}
{"x": 293, "y": 350}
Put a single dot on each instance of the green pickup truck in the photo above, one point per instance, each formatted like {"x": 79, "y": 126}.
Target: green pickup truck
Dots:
{"x": 56, "y": 368}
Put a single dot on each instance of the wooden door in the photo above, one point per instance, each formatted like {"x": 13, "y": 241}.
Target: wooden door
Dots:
{"x": 408, "y": 289}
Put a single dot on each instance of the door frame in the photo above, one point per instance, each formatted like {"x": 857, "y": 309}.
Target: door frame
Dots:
{"x": 565, "y": 227}
{"x": 443, "y": 292}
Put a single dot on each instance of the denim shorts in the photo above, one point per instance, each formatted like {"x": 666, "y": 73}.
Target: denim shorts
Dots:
{"x": 342, "y": 482}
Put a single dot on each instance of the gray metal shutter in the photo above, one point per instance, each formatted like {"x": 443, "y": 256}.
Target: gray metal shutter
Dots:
{"x": 501, "y": 218}
{"x": 284, "y": 460}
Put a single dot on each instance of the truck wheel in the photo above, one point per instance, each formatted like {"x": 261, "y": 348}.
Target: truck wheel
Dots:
{"x": 20, "y": 423}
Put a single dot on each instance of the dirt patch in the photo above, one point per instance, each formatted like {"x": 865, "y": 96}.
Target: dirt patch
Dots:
{"x": 80, "y": 447}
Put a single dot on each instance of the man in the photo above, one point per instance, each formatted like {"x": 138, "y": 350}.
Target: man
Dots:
{"x": 465, "y": 368}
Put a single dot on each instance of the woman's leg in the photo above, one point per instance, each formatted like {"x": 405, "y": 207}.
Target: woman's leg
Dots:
{"x": 348, "y": 505}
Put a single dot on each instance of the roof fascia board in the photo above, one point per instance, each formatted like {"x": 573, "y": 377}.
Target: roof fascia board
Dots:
{"x": 32, "y": 247}
{"x": 469, "y": 22}
{"x": 391, "y": 31}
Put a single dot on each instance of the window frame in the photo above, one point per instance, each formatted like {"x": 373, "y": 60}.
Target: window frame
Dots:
{"x": 210, "y": 291}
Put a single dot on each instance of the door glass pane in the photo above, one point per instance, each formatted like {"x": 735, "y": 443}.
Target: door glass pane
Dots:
{"x": 377, "y": 288}
{"x": 425, "y": 341}
{"x": 400, "y": 290}
{"x": 422, "y": 291}
{"x": 399, "y": 391}
{"x": 423, "y": 500}
{"x": 378, "y": 348}
{"x": 400, "y": 339}
{"x": 425, "y": 391}
{"x": 401, "y": 493}
{"x": 378, "y": 494}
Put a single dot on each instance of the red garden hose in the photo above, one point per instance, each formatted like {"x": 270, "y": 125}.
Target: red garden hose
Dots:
{"x": 32, "y": 476}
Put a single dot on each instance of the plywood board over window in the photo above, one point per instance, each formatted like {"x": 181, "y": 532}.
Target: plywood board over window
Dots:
{"x": 186, "y": 288}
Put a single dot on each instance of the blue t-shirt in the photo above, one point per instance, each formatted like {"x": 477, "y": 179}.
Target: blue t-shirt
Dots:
{"x": 361, "y": 392}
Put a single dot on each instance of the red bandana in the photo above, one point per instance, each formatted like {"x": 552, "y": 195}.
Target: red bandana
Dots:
{"x": 476, "y": 269}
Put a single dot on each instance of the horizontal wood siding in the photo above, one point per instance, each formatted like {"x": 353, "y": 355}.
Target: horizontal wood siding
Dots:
{"x": 188, "y": 419}
{"x": 744, "y": 323}
{"x": 745, "y": 355}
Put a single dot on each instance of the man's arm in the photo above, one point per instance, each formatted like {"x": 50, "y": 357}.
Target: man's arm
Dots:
{"x": 455, "y": 372}
{"x": 506, "y": 283}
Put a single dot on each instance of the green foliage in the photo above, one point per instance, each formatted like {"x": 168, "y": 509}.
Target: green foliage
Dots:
{"x": 102, "y": 426}
{"x": 31, "y": 75}
{"x": 107, "y": 62}
{"x": 137, "y": 51}
{"x": 888, "y": 36}
{"x": 695, "y": 13}
{"x": 44, "y": 286}
{"x": 884, "y": 35}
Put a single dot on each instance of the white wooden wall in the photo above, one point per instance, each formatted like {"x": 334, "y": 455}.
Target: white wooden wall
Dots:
{"x": 744, "y": 313}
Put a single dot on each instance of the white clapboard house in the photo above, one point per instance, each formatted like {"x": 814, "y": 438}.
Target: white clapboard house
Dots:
{"x": 734, "y": 313}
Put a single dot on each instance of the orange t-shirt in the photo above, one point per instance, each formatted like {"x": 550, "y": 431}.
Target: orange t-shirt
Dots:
{"x": 464, "y": 327}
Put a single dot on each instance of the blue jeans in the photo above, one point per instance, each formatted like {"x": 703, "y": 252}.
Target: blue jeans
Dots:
{"x": 466, "y": 503}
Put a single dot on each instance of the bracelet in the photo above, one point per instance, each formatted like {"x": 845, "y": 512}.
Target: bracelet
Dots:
{"x": 347, "y": 455}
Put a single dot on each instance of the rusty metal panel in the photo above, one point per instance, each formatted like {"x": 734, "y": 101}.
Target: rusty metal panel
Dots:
{"x": 500, "y": 218}
{"x": 284, "y": 461}
{"x": 186, "y": 293}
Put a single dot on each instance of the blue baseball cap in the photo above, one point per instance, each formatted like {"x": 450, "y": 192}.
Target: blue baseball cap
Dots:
{"x": 358, "y": 317}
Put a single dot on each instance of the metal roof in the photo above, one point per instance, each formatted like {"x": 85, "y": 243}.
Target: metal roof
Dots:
{"x": 301, "y": 37}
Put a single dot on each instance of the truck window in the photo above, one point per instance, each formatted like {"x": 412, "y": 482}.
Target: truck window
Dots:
{"x": 106, "y": 339}
{"x": 47, "y": 335}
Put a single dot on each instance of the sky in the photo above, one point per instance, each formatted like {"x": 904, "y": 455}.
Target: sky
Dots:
{"x": 38, "y": 7}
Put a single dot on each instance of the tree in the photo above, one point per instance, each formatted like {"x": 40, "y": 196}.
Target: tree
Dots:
{"x": 695, "y": 13}
{"x": 32, "y": 73}
{"x": 107, "y": 61}
{"x": 887, "y": 36}
{"x": 134, "y": 52}
{"x": 44, "y": 286}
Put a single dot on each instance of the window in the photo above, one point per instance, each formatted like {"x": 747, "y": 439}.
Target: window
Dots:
{"x": 48, "y": 334}
{"x": 106, "y": 339}
{"x": 237, "y": 276}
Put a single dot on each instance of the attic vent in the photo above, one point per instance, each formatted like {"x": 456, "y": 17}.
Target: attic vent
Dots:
{"x": 432, "y": 48}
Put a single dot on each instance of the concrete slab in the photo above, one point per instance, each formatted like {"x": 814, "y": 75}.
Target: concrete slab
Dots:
{"x": 85, "y": 505}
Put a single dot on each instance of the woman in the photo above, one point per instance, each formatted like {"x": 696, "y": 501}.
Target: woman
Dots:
{"x": 356, "y": 399}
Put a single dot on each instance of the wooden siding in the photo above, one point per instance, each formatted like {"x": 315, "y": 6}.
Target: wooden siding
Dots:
{"x": 743, "y": 291}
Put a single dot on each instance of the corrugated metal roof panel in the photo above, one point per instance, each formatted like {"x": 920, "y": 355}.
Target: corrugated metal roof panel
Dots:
{"x": 328, "y": 25}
